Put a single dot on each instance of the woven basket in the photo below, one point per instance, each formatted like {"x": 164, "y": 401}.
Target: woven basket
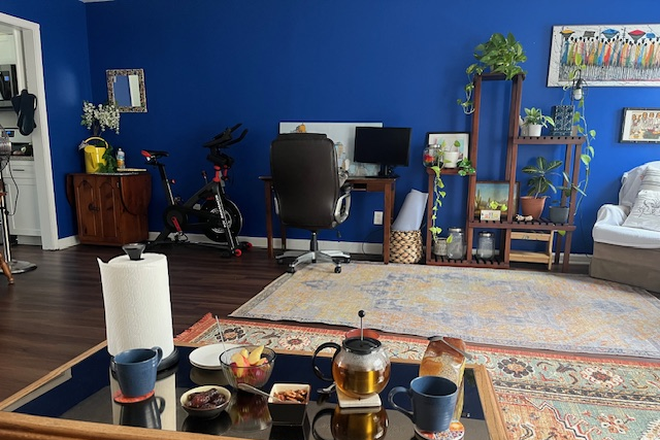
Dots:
{"x": 405, "y": 247}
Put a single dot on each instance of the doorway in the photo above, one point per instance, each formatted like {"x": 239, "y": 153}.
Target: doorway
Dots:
{"x": 32, "y": 62}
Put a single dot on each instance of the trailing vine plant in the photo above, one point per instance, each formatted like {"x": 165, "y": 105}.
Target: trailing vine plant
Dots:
{"x": 588, "y": 152}
{"x": 439, "y": 193}
{"x": 499, "y": 54}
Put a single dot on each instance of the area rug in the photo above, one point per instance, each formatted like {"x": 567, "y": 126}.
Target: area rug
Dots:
{"x": 538, "y": 310}
{"x": 541, "y": 395}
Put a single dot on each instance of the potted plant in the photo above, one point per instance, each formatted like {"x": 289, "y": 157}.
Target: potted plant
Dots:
{"x": 558, "y": 211}
{"x": 534, "y": 122}
{"x": 499, "y": 54}
{"x": 539, "y": 183}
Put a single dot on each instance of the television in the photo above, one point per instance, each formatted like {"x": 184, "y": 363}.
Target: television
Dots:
{"x": 385, "y": 146}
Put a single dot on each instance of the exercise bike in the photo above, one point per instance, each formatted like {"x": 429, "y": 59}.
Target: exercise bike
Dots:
{"x": 209, "y": 209}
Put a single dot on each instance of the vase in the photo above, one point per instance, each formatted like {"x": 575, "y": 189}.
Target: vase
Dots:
{"x": 532, "y": 206}
{"x": 558, "y": 214}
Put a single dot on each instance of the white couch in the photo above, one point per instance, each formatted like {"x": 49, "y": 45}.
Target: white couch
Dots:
{"x": 624, "y": 254}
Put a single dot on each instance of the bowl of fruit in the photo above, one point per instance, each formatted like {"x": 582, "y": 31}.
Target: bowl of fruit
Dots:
{"x": 206, "y": 401}
{"x": 250, "y": 364}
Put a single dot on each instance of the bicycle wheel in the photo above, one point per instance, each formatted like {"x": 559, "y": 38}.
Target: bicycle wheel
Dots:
{"x": 213, "y": 229}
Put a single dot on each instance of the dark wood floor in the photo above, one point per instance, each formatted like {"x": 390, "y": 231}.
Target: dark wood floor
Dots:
{"x": 54, "y": 313}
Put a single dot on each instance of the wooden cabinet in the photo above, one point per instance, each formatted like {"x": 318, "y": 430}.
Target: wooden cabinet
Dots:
{"x": 506, "y": 226}
{"x": 111, "y": 209}
{"x": 22, "y": 206}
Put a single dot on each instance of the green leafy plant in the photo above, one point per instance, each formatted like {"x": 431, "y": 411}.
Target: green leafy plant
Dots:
{"x": 541, "y": 173}
{"x": 110, "y": 165}
{"x": 465, "y": 167}
{"x": 439, "y": 193}
{"x": 534, "y": 116}
{"x": 499, "y": 54}
{"x": 582, "y": 128}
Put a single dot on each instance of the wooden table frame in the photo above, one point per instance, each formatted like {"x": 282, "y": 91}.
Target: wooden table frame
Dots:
{"x": 15, "y": 426}
{"x": 386, "y": 185}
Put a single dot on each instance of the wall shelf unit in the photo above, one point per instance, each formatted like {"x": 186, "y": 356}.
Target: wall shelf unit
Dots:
{"x": 572, "y": 149}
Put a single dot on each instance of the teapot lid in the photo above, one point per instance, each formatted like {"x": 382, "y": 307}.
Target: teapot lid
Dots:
{"x": 359, "y": 345}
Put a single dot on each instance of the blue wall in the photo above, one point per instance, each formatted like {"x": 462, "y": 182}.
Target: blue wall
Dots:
{"x": 210, "y": 64}
{"x": 65, "y": 51}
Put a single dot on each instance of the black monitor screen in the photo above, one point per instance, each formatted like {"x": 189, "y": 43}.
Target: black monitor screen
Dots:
{"x": 386, "y": 146}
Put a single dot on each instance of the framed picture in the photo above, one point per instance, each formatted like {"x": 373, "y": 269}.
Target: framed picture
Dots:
{"x": 453, "y": 141}
{"x": 610, "y": 55}
{"x": 493, "y": 195}
{"x": 640, "y": 125}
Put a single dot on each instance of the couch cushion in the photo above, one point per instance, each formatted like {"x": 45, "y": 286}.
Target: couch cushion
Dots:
{"x": 645, "y": 213}
{"x": 651, "y": 179}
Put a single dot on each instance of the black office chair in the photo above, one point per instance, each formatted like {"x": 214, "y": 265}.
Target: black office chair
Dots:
{"x": 308, "y": 192}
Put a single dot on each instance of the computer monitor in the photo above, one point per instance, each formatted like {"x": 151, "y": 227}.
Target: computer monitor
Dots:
{"x": 384, "y": 146}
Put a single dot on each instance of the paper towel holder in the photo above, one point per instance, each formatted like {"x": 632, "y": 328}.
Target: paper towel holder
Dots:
{"x": 134, "y": 250}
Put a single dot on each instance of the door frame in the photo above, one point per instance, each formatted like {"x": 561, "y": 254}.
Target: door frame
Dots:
{"x": 34, "y": 72}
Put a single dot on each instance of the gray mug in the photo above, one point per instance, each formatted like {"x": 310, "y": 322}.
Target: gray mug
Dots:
{"x": 433, "y": 401}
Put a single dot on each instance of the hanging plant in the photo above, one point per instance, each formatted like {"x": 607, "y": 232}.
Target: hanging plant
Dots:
{"x": 499, "y": 54}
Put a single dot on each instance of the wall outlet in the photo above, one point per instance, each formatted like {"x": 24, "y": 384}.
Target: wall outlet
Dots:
{"x": 378, "y": 218}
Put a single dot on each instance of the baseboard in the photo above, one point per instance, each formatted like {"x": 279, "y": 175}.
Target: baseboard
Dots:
{"x": 295, "y": 244}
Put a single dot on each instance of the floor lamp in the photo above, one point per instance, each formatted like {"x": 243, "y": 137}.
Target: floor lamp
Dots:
{"x": 14, "y": 265}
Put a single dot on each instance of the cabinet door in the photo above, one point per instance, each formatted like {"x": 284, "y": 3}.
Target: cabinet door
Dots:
{"x": 21, "y": 199}
{"x": 95, "y": 208}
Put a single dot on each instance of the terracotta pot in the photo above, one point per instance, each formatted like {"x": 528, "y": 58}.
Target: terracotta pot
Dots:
{"x": 532, "y": 206}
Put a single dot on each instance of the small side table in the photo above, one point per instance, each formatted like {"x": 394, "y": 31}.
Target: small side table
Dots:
{"x": 533, "y": 257}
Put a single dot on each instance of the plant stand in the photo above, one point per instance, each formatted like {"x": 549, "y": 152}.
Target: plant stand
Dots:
{"x": 572, "y": 149}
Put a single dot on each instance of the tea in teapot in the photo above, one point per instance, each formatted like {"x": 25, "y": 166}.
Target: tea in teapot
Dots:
{"x": 360, "y": 366}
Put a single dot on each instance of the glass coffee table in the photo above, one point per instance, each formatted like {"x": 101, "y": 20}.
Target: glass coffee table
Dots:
{"x": 75, "y": 402}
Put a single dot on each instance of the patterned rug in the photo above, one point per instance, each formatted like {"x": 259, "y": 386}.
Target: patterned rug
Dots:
{"x": 541, "y": 395}
{"x": 538, "y": 310}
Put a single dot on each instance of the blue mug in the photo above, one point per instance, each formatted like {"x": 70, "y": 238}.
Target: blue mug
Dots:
{"x": 433, "y": 401}
{"x": 136, "y": 370}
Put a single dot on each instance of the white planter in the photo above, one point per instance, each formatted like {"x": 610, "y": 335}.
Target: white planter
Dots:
{"x": 450, "y": 159}
{"x": 534, "y": 130}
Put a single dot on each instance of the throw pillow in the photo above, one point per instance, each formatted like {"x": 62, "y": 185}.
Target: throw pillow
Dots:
{"x": 645, "y": 213}
{"x": 651, "y": 179}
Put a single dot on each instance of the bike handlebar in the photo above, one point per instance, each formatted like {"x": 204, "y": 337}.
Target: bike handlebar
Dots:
{"x": 224, "y": 139}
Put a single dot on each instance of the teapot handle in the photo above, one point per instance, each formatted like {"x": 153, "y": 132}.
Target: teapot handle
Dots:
{"x": 322, "y": 413}
{"x": 323, "y": 346}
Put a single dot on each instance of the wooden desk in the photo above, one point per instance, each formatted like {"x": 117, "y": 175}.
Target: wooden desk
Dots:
{"x": 386, "y": 185}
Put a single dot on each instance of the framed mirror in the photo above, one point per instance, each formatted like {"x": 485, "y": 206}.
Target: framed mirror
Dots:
{"x": 126, "y": 88}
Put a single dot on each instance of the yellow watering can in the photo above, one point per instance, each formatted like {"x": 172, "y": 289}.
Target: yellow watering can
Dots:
{"x": 93, "y": 154}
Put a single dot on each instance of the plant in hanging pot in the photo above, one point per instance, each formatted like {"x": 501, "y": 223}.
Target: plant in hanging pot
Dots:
{"x": 499, "y": 54}
{"x": 534, "y": 122}
{"x": 538, "y": 184}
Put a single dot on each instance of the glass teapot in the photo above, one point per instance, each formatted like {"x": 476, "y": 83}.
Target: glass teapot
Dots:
{"x": 360, "y": 366}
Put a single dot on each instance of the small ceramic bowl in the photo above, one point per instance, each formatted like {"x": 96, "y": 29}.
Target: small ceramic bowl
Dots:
{"x": 288, "y": 412}
{"x": 206, "y": 411}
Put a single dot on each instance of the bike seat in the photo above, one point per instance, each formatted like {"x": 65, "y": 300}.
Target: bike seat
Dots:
{"x": 154, "y": 154}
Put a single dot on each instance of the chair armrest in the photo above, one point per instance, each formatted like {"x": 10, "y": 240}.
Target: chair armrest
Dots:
{"x": 614, "y": 215}
{"x": 343, "y": 205}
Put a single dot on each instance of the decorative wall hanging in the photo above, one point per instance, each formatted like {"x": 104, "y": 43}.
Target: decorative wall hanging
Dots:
{"x": 611, "y": 55}
{"x": 640, "y": 125}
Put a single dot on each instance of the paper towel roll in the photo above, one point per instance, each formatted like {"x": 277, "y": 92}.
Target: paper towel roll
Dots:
{"x": 138, "y": 311}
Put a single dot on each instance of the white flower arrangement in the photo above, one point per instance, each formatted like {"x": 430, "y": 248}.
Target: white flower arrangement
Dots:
{"x": 101, "y": 117}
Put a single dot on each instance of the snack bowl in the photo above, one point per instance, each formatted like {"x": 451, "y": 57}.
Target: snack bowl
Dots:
{"x": 211, "y": 403}
{"x": 242, "y": 365}
{"x": 290, "y": 409}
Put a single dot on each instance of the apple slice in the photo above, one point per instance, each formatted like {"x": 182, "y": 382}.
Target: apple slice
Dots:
{"x": 255, "y": 355}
